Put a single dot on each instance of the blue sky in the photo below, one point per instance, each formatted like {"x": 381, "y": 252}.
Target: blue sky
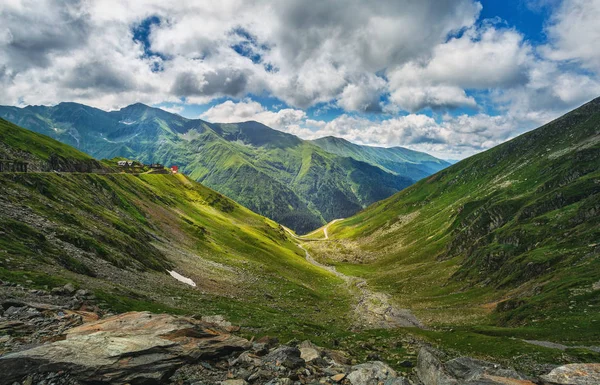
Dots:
{"x": 527, "y": 17}
{"x": 451, "y": 78}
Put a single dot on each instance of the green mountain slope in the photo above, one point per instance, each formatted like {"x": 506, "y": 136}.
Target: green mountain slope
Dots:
{"x": 278, "y": 175}
{"x": 119, "y": 234}
{"x": 42, "y": 153}
{"x": 402, "y": 161}
{"x": 510, "y": 235}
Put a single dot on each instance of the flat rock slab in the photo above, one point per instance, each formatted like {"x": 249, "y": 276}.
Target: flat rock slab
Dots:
{"x": 130, "y": 347}
{"x": 309, "y": 354}
{"x": 573, "y": 374}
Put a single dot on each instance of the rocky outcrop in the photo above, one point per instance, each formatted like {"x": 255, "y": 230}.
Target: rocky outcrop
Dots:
{"x": 29, "y": 317}
{"x": 573, "y": 374}
{"x": 373, "y": 373}
{"x": 58, "y": 344}
{"x": 55, "y": 162}
{"x": 470, "y": 369}
{"x": 464, "y": 371}
{"x": 133, "y": 347}
{"x": 74, "y": 347}
{"x": 431, "y": 371}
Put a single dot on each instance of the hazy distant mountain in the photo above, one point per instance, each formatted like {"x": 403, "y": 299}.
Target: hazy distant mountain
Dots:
{"x": 402, "y": 161}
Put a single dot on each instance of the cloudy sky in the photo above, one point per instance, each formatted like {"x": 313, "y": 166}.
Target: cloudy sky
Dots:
{"x": 450, "y": 77}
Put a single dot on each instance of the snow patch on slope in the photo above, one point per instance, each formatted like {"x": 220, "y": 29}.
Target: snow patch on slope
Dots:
{"x": 181, "y": 278}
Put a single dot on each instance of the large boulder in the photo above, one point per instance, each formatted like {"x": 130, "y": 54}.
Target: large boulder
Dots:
{"x": 467, "y": 369}
{"x": 464, "y": 370}
{"x": 136, "y": 347}
{"x": 573, "y": 374}
{"x": 431, "y": 371}
{"x": 371, "y": 373}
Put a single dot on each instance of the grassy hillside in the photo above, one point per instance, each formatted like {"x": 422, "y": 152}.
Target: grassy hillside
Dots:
{"x": 509, "y": 237}
{"x": 402, "y": 161}
{"x": 119, "y": 234}
{"x": 278, "y": 175}
{"x": 41, "y": 152}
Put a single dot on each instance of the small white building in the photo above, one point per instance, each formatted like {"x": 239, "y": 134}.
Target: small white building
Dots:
{"x": 122, "y": 163}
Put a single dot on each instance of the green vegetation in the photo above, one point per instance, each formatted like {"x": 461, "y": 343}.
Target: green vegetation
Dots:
{"x": 390, "y": 345}
{"x": 33, "y": 279}
{"x": 40, "y": 146}
{"x": 41, "y": 152}
{"x": 118, "y": 234}
{"x": 292, "y": 181}
{"x": 506, "y": 238}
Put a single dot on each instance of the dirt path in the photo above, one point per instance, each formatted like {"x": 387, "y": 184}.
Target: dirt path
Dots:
{"x": 327, "y": 227}
{"x": 373, "y": 310}
{"x": 554, "y": 345}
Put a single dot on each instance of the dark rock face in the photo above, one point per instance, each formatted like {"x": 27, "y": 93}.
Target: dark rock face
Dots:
{"x": 287, "y": 356}
{"x": 54, "y": 163}
{"x": 464, "y": 371}
{"x": 468, "y": 369}
{"x": 61, "y": 164}
{"x": 431, "y": 371}
{"x": 131, "y": 347}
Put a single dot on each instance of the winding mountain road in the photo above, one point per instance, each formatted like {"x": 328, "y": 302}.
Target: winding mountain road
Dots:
{"x": 372, "y": 310}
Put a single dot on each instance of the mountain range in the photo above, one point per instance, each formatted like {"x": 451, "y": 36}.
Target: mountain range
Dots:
{"x": 119, "y": 234}
{"x": 495, "y": 257}
{"x": 301, "y": 184}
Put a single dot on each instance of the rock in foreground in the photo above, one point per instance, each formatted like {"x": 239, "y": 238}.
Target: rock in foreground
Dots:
{"x": 373, "y": 373}
{"x": 131, "y": 347}
{"x": 574, "y": 374}
{"x": 463, "y": 371}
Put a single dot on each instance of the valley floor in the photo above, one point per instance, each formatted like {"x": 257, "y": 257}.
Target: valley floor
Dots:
{"x": 372, "y": 310}
{"x": 457, "y": 327}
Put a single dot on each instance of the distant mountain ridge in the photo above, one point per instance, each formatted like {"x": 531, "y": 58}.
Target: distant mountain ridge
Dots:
{"x": 295, "y": 182}
{"x": 398, "y": 160}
